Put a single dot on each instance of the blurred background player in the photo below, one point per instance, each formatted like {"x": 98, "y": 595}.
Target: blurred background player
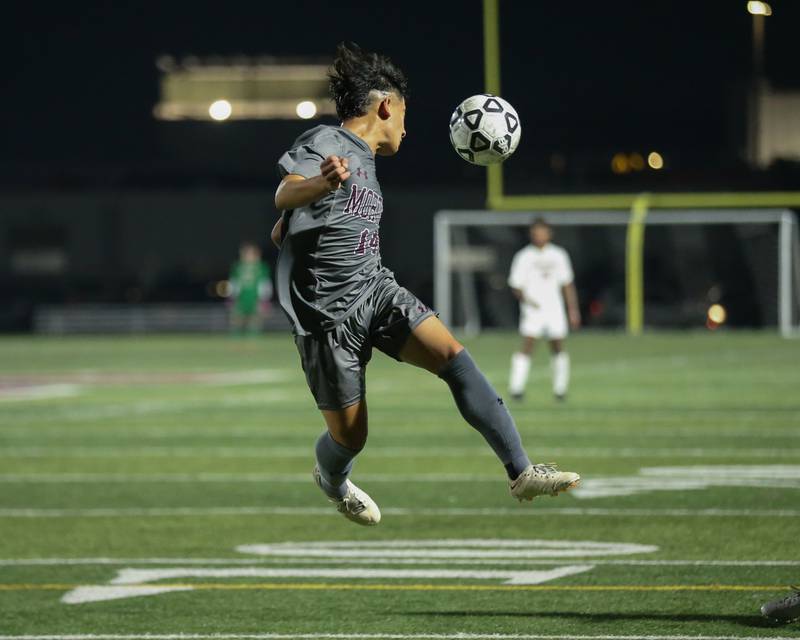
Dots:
{"x": 541, "y": 279}
{"x": 251, "y": 290}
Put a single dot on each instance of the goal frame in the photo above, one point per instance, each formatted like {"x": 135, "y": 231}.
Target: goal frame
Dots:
{"x": 446, "y": 221}
{"x": 498, "y": 200}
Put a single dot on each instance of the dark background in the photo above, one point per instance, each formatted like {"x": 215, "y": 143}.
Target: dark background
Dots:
{"x": 150, "y": 210}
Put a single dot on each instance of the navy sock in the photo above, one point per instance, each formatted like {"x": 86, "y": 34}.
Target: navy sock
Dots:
{"x": 482, "y": 408}
{"x": 334, "y": 461}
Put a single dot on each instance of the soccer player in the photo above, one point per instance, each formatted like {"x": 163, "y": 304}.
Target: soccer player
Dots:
{"x": 342, "y": 301}
{"x": 251, "y": 289}
{"x": 541, "y": 279}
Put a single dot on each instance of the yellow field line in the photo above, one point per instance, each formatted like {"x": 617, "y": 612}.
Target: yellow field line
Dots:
{"x": 321, "y": 586}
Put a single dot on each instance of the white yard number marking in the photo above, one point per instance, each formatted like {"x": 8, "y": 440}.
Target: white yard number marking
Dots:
{"x": 773, "y": 476}
{"x": 131, "y": 582}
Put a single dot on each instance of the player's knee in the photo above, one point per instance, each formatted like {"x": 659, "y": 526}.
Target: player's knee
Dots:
{"x": 353, "y": 438}
{"x": 452, "y": 350}
{"x": 527, "y": 346}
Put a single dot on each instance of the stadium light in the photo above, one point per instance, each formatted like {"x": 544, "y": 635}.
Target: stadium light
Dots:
{"x": 306, "y": 109}
{"x": 716, "y": 316}
{"x": 220, "y": 110}
{"x": 636, "y": 161}
{"x": 620, "y": 164}
{"x": 655, "y": 160}
{"x": 756, "y": 8}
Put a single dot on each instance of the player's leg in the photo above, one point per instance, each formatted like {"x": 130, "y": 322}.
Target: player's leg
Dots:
{"x": 531, "y": 327}
{"x": 407, "y": 330}
{"x": 236, "y": 322}
{"x": 559, "y": 358}
{"x": 252, "y": 324}
{"x": 410, "y": 332}
{"x": 334, "y": 364}
{"x": 431, "y": 346}
{"x": 337, "y": 448}
{"x": 520, "y": 368}
{"x": 559, "y": 363}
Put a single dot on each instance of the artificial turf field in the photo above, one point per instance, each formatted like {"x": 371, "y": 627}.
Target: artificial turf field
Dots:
{"x": 161, "y": 485}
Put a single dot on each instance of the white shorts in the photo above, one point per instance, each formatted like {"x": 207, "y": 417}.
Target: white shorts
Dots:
{"x": 537, "y": 323}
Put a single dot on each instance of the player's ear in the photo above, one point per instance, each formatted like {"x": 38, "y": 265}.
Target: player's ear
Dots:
{"x": 385, "y": 108}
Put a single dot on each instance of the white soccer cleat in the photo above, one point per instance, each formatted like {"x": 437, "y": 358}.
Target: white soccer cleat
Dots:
{"x": 356, "y": 504}
{"x": 542, "y": 480}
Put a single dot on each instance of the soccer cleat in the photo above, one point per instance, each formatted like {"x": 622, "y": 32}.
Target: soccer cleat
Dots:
{"x": 356, "y": 504}
{"x": 783, "y": 610}
{"x": 541, "y": 480}
{"x": 560, "y": 397}
{"x": 517, "y": 397}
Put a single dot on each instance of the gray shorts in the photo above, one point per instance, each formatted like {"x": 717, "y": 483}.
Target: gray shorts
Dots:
{"x": 335, "y": 361}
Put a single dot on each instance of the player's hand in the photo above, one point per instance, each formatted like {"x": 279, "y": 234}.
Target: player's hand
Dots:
{"x": 574, "y": 320}
{"x": 334, "y": 171}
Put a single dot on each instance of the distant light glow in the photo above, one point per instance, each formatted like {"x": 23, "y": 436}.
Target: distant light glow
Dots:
{"x": 759, "y": 8}
{"x": 306, "y": 109}
{"x": 596, "y": 308}
{"x": 717, "y": 314}
{"x": 655, "y": 160}
{"x": 620, "y": 164}
{"x": 223, "y": 289}
{"x": 636, "y": 161}
{"x": 220, "y": 110}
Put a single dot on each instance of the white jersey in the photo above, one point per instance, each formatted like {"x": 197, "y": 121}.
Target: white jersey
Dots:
{"x": 540, "y": 274}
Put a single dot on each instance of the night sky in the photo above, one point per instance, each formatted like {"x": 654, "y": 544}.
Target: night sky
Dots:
{"x": 588, "y": 79}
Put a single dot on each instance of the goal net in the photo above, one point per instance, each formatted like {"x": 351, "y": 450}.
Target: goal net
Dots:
{"x": 743, "y": 263}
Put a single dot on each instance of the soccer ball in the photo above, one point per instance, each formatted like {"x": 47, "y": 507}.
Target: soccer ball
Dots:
{"x": 484, "y": 129}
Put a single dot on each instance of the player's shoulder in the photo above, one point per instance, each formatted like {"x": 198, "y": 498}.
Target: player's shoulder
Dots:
{"x": 558, "y": 250}
{"x": 526, "y": 252}
{"x": 323, "y": 137}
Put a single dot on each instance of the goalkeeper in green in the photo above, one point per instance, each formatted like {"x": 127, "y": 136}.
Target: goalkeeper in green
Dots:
{"x": 251, "y": 290}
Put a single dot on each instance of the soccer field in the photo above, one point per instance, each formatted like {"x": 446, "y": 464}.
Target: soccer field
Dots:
{"x": 158, "y": 486}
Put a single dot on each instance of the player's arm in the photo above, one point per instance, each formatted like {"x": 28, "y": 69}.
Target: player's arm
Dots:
{"x": 520, "y": 295}
{"x": 233, "y": 280}
{"x": 298, "y": 191}
{"x": 573, "y": 309}
{"x": 516, "y": 279}
{"x": 277, "y": 233}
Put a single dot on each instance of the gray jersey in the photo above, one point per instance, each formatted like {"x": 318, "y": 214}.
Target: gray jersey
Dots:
{"x": 330, "y": 256}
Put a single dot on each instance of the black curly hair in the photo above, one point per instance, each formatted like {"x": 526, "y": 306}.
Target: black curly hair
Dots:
{"x": 355, "y": 73}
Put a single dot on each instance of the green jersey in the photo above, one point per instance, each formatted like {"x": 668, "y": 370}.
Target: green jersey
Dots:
{"x": 250, "y": 283}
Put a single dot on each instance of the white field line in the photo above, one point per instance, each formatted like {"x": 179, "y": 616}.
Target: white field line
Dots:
{"x": 447, "y": 512}
{"x": 39, "y": 392}
{"x": 265, "y": 397}
{"x": 94, "y": 377}
{"x": 376, "y": 636}
{"x": 649, "y": 479}
{"x": 147, "y": 576}
{"x": 669, "y": 430}
{"x": 388, "y": 452}
{"x": 292, "y": 478}
{"x": 515, "y": 562}
{"x": 469, "y": 548}
{"x": 146, "y": 407}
